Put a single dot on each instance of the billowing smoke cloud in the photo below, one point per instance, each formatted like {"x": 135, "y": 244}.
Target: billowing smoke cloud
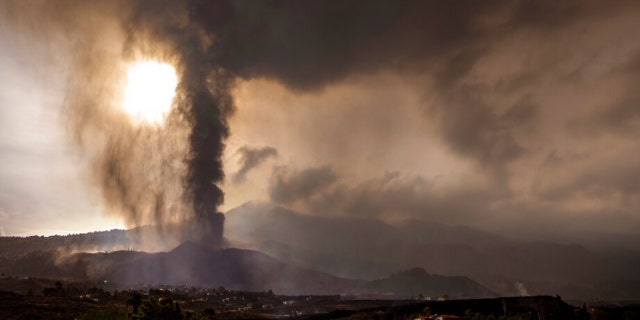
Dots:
{"x": 168, "y": 175}
{"x": 487, "y": 72}
{"x": 289, "y": 187}
{"x": 251, "y": 158}
{"x": 162, "y": 175}
{"x": 321, "y": 190}
{"x": 527, "y": 109}
{"x": 204, "y": 100}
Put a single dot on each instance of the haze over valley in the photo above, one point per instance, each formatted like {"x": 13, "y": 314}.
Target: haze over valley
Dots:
{"x": 366, "y": 149}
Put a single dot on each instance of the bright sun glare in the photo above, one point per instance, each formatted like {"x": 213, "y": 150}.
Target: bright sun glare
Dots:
{"x": 150, "y": 89}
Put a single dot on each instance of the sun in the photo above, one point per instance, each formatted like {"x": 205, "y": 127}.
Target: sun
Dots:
{"x": 149, "y": 92}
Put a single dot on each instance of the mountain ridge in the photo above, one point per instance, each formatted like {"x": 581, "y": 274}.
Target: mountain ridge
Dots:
{"x": 368, "y": 250}
{"x": 191, "y": 264}
{"x": 510, "y": 267}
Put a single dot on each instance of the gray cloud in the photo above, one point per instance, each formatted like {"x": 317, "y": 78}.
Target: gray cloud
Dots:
{"x": 396, "y": 196}
{"x": 474, "y": 129}
{"x": 319, "y": 190}
{"x": 617, "y": 177}
{"x": 289, "y": 187}
{"x": 147, "y": 175}
{"x": 482, "y": 91}
{"x": 308, "y": 47}
{"x": 251, "y": 158}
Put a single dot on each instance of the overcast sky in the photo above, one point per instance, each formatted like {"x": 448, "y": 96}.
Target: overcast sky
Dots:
{"x": 520, "y": 117}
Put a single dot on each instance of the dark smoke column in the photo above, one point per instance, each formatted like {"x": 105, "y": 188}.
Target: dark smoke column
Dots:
{"x": 207, "y": 105}
{"x": 203, "y": 102}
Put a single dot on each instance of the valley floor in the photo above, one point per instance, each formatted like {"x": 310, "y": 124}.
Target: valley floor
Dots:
{"x": 30, "y": 298}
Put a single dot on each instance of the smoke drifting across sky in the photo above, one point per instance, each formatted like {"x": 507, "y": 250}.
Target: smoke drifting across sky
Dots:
{"x": 504, "y": 115}
{"x": 146, "y": 174}
{"x": 512, "y": 116}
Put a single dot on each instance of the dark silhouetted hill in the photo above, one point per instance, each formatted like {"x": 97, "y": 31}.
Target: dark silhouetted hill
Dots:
{"x": 416, "y": 281}
{"x": 191, "y": 264}
{"x": 371, "y": 249}
{"x": 194, "y": 265}
{"x": 353, "y": 248}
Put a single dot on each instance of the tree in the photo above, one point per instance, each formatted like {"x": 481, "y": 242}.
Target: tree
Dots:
{"x": 163, "y": 308}
{"x": 135, "y": 301}
{"x": 209, "y": 314}
{"x": 630, "y": 315}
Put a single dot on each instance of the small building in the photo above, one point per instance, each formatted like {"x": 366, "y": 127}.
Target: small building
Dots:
{"x": 438, "y": 317}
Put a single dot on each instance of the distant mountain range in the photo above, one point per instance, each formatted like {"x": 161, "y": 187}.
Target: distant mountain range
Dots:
{"x": 322, "y": 254}
{"x": 417, "y": 282}
{"x": 370, "y": 249}
{"x": 191, "y": 264}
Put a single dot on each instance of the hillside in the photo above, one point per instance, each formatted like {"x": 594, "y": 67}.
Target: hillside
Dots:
{"x": 370, "y": 249}
{"x": 187, "y": 265}
{"x": 417, "y": 282}
{"x": 352, "y": 248}
{"x": 194, "y": 265}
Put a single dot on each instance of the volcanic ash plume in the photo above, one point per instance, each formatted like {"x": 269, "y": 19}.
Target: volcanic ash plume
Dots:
{"x": 150, "y": 174}
{"x": 196, "y": 126}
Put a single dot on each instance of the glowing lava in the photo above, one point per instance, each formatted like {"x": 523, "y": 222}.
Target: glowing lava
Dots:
{"x": 150, "y": 89}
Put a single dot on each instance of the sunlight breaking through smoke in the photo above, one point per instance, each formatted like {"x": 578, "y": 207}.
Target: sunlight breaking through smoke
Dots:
{"x": 150, "y": 90}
